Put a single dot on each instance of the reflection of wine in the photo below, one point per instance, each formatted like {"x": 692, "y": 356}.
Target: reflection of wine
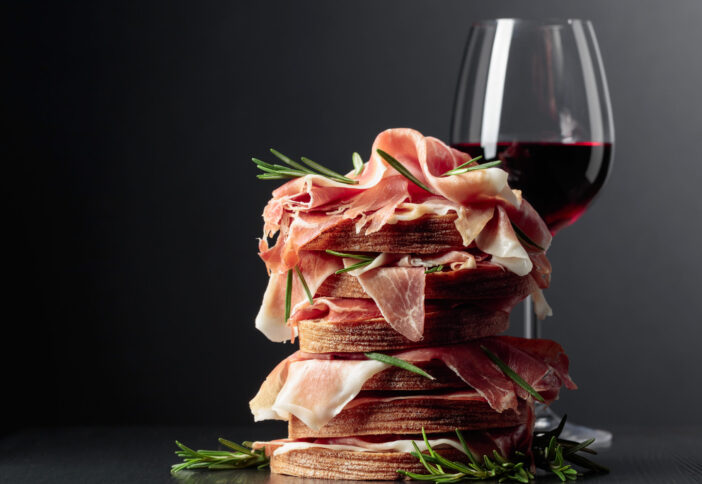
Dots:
{"x": 558, "y": 179}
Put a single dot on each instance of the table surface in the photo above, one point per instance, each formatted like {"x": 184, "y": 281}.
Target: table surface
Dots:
{"x": 144, "y": 454}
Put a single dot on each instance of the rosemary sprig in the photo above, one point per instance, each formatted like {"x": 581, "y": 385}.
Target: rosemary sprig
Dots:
{"x": 524, "y": 238}
{"x": 550, "y": 454}
{"x": 304, "y": 285}
{"x": 353, "y": 267}
{"x": 487, "y": 468}
{"x": 405, "y": 365}
{"x": 402, "y": 170}
{"x": 431, "y": 270}
{"x": 349, "y": 255}
{"x": 460, "y": 171}
{"x": 288, "y": 294}
{"x": 357, "y": 163}
{"x": 240, "y": 457}
{"x": 512, "y": 374}
{"x": 295, "y": 169}
{"x": 365, "y": 260}
{"x": 464, "y": 168}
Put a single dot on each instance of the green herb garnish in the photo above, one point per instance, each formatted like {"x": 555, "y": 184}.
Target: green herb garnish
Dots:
{"x": 459, "y": 170}
{"x": 474, "y": 470}
{"x": 402, "y": 170}
{"x": 304, "y": 285}
{"x": 550, "y": 453}
{"x": 349, "y": 255}
{"x": 353, "y": 267}
{"x": 524, "y": 238}
{"x": 288, "y": 294}
{"x": 434, "y": 269}
{"x": 296, "y": 170}
{"x": 365, "y": 260}
{"x": 242, "y": 456}
{"x": 512, "y": 374}
{"x": 405, "y": 365}
{"x": 357, "y": 163}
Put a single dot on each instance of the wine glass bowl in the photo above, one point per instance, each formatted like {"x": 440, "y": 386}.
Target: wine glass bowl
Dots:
{"x": 534, "y": 94}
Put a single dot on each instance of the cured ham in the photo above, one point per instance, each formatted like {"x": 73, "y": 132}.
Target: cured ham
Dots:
{"x": 399, "y": 294}
{"x": 500, "y": 241}
{"x": 506, "y": 441}
{"x": 336, "y": 309}
{"x": 317, "y": 390}
{"x": 312, "y": 387}
{"x": 270, "y": 319}
{"x": 380, "y": 192}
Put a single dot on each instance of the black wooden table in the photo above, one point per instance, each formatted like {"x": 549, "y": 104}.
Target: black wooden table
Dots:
{"x": 144, "y": 454}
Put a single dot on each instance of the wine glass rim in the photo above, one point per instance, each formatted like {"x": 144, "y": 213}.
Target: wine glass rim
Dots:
{"x": 542, "y": 22}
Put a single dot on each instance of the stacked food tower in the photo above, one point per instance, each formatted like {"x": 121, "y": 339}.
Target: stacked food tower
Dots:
{"x": 396, "y": 279}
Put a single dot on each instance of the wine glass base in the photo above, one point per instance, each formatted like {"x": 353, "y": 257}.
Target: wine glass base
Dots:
{"x": 547, "y": 419}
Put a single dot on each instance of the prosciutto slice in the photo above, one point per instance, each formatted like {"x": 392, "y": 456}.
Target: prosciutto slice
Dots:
{"x": 292, "y": 388}
{"x": 381, "y": 191}
{"x": 399, "y": 294}
{"x": 507, "y": 441}
{"x": 500, "y": 241}
{"x": 315, "y": 268}
{"x": 336, "y": 309}
{"x": 485, "y": 206}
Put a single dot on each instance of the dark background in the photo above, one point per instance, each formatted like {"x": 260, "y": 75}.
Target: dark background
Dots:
{"x": 133, "y": 207}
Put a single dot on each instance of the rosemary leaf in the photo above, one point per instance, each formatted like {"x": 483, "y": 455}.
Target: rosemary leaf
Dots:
{"x": 405, "y": 365}
{"x": 357, "y": 163}
{"x": 466, "y": 169}
{"x": 240, "y": 457}
{"x": 464, "y": 165}
{"x": 511, "y": 373}
{"x": 434, "y": 269}
{"x": 271, "y": 176}
{"x": 304, "y": 285}
{"x": 288, "y": 295}
{"x": 402, "y": 170}
{"x": 350, "y": 256}
{"x": 329, "y": 173}
{"x": 524, "y": 238}
{"x": 353, "y": 267}
{"x": 291, "y": 162}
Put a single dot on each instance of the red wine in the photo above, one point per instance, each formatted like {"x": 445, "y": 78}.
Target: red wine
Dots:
{"x": 559, "y": 180}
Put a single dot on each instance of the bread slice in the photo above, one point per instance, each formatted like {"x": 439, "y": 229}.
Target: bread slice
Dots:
{"x": 426, "y": 235}
{"x": 487, "y": 281}
{"x": 321, "y": 463}
{"x": 445, "y": 326}
{"x": 409, "y": 415}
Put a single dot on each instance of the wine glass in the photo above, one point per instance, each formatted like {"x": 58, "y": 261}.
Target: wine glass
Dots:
{"x": 533, "y": 94}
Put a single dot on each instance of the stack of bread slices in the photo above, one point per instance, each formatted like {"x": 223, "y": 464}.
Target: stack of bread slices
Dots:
{"x": 397, "y": 295}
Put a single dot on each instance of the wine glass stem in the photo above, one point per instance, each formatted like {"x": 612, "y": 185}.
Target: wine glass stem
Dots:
{"x": 531, "y": 325}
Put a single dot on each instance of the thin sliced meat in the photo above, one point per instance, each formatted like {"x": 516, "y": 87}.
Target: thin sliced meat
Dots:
{"x": 399, "y": 294}
{"x": 375, "y": 206}
{"x": 294, "y": 233}
{"x": 542, "y": 363}
{"x": 436, "y": 158}
{"x": 471, "y": 364}
{"x": 457, "y": 260}
{"x": 315, "y": 268}
{"x": 262, "y": 404}
{"x": 507, "y": 441}
{"x": 499, "y": 240}
{"x": 317, "y": 390}
{"x": 547, "y": 350}
{"x": 336, "y": 309}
